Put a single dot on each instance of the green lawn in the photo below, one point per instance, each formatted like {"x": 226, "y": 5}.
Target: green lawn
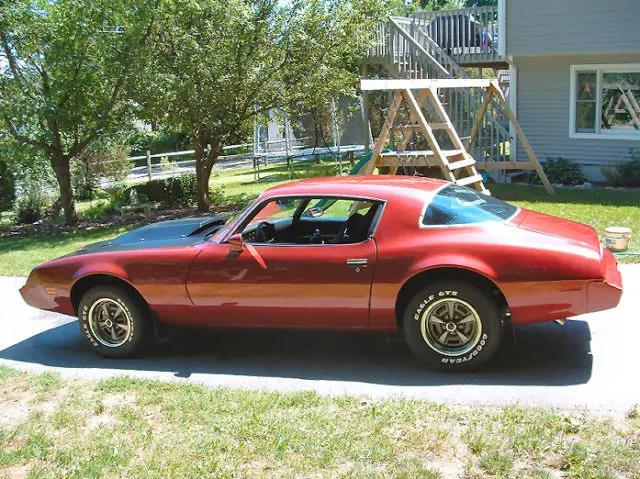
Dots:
{"x": 599, "y": 208}
{"x": 135, "y": 428}
{"x": 19, "y": 256}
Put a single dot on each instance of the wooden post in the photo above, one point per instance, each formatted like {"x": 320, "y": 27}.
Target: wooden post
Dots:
{"x": 384, "y": 132}
{"x": 479, "y": 117}
{"x": 336, "y": 136}
{"x": 364, "y": 105}
{"x": 523, "y": 139}
{"x": 149, "y": 164}
{"x": 286, "y": 143}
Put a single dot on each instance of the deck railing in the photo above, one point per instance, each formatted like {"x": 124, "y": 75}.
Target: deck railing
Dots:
{"x": 468, "y": 35}
{"x": 414, "y": 54}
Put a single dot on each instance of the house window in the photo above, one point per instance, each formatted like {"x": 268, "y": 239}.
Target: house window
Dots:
{"x": 605, "y": 101}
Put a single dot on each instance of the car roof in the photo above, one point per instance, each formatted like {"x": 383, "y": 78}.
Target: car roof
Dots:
{"x": 375, "y": 186}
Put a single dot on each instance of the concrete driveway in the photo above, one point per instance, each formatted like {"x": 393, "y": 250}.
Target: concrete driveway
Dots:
{"x": 592, "y": 362}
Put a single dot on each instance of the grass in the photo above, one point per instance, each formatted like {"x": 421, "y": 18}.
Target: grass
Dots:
{"x": 123, "y": 427}
{"x": 19, "y": 256}
{"x": 598, "y": 208}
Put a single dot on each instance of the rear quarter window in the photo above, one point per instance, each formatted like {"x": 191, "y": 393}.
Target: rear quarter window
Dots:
{"x": 458, "y": 205}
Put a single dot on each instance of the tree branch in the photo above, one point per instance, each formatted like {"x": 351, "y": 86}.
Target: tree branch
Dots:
{"x": 10, "y": 58}
{"x": 25, "y": 139}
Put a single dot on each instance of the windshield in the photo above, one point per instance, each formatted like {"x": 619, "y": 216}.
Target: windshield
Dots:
{"x": 458, "y": 205}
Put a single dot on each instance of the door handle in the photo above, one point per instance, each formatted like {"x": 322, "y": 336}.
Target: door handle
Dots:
{"x": 357, "y": 262}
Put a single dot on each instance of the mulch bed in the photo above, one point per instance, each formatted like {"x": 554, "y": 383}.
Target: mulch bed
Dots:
{"x": 45, "y": 227}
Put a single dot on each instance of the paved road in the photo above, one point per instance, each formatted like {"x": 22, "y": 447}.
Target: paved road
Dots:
{"x": 592, "y": 362}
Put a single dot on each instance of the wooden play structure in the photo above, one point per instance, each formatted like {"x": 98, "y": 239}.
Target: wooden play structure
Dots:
{"x": 430, "y": 124}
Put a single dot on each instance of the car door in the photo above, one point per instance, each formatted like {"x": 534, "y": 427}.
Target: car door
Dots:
{"x": 284, "y": 285}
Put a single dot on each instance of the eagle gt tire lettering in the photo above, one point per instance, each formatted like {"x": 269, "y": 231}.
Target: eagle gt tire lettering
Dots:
{"x": 453, "y": 326}
{"x": 114, "y": 323}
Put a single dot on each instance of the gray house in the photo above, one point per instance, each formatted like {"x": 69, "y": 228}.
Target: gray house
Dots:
{"x": 575, "y": 77}
{"x": 571, "y": 70}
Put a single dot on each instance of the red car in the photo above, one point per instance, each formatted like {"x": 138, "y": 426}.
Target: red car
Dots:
{"x": 445, "y": 264}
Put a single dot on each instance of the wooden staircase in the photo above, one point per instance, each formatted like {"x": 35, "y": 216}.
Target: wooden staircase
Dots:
{"x": 406, "y": 51}
{"x": 474, "y": 118}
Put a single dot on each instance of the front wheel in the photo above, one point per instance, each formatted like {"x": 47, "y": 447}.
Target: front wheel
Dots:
{"x": 452, "y": 326}
{"x": 114, "y": 323}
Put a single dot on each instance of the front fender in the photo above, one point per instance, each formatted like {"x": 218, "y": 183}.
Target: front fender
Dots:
{"x": 106, "y": 268}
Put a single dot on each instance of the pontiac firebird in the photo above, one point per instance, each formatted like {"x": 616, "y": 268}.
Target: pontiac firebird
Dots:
{"x": 444, "y": 264}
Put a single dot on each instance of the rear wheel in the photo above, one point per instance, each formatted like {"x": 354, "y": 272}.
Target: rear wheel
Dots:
{"x": 114, "y": 323}
{"x": 453, "y": 326}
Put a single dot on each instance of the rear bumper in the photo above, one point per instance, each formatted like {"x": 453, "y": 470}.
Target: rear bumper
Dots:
{"x": 605, "y": 294}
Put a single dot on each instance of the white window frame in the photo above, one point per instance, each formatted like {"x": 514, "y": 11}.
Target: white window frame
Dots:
{"x": 598, "y": 69}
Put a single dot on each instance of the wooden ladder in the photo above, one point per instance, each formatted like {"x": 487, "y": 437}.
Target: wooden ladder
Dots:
{"x": 457, "y": 164}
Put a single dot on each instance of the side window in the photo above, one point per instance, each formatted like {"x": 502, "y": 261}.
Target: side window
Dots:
{"x": 273, "y": 223}
{"x": 340, "y": 221}
{"x": 335, "y": 209}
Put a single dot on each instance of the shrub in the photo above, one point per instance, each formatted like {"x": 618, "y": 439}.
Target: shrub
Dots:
{"x": 91, "y": 166}
{"x": 96, "y": 210}
{"x": 160, "y": 141}
{"x": 7, "y": 187}
{"x": 559, "y": 170}
{"x": 625, "y": 173}
{"x": 30, "y": 207}
{"x": 178, "y": 190}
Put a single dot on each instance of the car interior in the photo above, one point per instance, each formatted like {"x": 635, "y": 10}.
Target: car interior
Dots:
{"x": 313, "y": 221}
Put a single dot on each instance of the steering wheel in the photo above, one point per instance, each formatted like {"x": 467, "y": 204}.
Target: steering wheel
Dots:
{"x": 265, "y": 232}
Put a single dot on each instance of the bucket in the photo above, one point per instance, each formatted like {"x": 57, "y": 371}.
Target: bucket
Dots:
{"x": 617, "y": 238}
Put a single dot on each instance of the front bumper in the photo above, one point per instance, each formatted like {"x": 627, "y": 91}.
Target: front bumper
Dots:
{"x": 50, "y": 297}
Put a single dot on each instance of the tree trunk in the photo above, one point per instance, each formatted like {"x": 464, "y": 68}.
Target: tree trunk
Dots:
{"x": 60, "y": 165}
{"x": 204, "y": 163}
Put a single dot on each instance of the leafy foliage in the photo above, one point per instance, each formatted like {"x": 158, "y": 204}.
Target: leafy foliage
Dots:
{"x": 559, "y": 170}
{"x": 165, "y": 139}
{"x": 7, "y": 187}
{"x": 91, "y": 166}
{"x": 624, "y": 173}
{"x": 30, "y": 207}
{"x": 173, "y": 191}
{"x": 68, "y": 66}
{"x": 259, "y": 55}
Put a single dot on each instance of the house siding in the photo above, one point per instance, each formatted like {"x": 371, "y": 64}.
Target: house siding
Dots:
{"x": 543, "y": 111}
{"x": 544, "y": 27}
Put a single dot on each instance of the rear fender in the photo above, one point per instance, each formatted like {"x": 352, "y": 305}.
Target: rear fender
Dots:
{"x": 460, "y": 261}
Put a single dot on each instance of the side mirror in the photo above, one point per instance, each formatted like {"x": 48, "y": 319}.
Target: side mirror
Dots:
{"x": 236, "y": 242}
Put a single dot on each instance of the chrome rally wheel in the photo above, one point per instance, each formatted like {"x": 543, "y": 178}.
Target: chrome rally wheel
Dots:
{"x": 113, "y": 321}
{"x": 453, "y": 325}
{"x": 109, "y": 322}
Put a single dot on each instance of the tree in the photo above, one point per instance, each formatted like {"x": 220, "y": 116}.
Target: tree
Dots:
{"x": 64, "y": 71}
{"x": 218, "y": 64}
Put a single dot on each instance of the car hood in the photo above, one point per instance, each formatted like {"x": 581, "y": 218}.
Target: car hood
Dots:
{"x": 559, "y": 228}
{"x": 164, "y": 234}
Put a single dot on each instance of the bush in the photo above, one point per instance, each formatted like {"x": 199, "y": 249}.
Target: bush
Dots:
{"x": 30, "y": 208}
{"x": 7, "y": 187}
{"x": 559, "y": 170}
{"x": 89, "y": 168}
{"x": 97, "y": 210}
{"x": 157, "y": 141}
{"x": 173, "y": 191}
{"x": 625, "y": 173}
